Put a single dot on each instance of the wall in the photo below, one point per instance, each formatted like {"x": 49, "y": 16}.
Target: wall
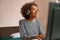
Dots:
{"x": 10, "y": 12}
{"x": 43, "y": 6}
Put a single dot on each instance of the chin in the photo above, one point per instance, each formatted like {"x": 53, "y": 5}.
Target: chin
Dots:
{"x": 35, "y": 17}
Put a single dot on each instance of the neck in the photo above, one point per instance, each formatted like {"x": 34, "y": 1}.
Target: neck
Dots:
{"x": 30, "y": 19}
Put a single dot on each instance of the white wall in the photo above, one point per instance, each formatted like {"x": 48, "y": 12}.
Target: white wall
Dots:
{"x": 10, "y": 12}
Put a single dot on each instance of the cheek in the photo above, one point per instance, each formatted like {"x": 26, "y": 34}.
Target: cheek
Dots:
{"x": 32, "y": 11}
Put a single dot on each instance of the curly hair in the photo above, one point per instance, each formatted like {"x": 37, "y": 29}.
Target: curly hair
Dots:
{"x": 25, "y": 9}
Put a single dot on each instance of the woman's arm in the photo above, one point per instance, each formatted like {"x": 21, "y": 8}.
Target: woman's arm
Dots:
{"x": 41, "y": 34}
{"x": 23, "y": 32}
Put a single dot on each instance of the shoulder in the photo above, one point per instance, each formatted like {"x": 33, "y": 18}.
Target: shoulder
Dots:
{"x": 21, "y": 21}
{"x": 38, "y": 20}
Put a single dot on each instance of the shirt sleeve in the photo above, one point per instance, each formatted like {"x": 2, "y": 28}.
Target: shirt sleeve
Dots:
{"x": 40, "y": 29}
{"x": 22, "y": 29}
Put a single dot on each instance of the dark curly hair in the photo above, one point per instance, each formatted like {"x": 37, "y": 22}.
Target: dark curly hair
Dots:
{"x": 25, "y": 8}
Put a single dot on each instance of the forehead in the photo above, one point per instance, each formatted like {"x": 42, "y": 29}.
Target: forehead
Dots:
{"x": 33, "y": 7}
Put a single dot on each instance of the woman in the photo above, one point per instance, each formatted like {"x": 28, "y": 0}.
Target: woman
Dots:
{"x": 30, "y": 27}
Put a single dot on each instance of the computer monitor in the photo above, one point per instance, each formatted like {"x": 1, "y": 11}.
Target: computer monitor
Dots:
{"x": 53, "y": 26}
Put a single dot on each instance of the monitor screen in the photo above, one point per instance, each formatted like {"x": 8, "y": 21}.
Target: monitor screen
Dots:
{"x": 53, "y": 26}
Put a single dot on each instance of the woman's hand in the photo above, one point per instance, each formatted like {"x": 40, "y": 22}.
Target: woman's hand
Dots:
{"x": 41, "y": 36}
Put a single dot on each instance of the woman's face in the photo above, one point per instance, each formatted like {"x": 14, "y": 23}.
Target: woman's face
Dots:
{"x": 33, "y": 11}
